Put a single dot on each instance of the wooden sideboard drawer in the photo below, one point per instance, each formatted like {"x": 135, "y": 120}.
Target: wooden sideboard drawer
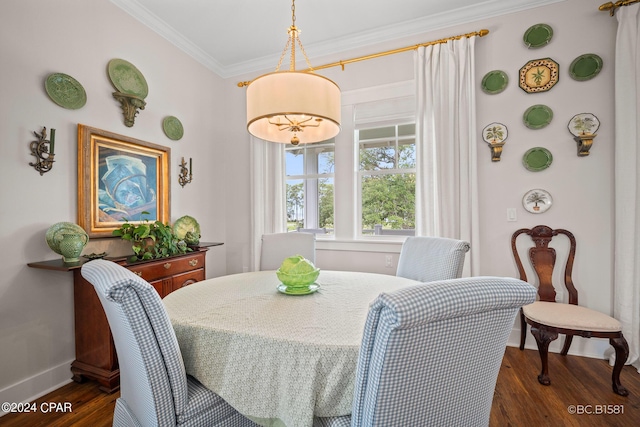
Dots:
{"x": 156, "y": 270}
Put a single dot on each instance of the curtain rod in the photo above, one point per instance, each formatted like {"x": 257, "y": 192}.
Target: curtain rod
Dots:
{"x": 480, "y": 33}
{"x": 611, "y": 7}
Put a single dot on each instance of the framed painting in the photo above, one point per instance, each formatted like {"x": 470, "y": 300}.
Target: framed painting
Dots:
{"x": 120, "y": 179}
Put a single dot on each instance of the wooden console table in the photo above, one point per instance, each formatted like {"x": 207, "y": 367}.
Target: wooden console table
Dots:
{"x": 96, "y": 357}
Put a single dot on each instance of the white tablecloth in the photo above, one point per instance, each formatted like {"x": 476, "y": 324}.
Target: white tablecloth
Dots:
{"x": 278, "y": 359}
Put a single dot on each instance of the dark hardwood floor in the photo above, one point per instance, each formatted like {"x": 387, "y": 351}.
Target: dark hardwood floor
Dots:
{"x": 578, "y": 384}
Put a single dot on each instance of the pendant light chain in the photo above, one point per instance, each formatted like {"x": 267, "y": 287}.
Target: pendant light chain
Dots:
{"x": 291, "y": 42}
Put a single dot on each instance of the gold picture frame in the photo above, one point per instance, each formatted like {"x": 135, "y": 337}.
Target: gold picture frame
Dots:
{"x": 120, "y": 179}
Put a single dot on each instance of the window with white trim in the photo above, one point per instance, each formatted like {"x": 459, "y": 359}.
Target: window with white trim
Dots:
{"x": 386, "y": 179}
{"x": 310, "y": 187}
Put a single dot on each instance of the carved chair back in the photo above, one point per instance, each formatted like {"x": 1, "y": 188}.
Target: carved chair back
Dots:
{"x": 543, "y": 260}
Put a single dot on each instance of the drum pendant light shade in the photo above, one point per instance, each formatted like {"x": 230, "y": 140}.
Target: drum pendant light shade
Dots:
{"x": 293, "y": 107}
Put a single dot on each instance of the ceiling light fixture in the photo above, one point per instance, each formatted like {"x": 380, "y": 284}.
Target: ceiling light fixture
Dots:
{"x": 296, "y": 107}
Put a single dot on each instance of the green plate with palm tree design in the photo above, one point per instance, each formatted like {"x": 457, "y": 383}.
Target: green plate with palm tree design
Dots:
{"x": 537, "y": 116}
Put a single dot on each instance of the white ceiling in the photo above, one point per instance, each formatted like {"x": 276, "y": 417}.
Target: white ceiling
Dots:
{"x": 234, "y": 37}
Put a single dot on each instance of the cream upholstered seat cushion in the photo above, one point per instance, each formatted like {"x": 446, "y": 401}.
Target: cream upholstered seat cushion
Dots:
{"x": 569, "y": 316}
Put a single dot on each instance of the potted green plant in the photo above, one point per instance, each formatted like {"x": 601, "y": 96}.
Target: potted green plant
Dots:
{"x": 151, "y": 240}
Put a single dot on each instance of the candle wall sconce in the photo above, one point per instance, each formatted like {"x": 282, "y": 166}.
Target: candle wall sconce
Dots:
{"x": 186, "y": 175}
{"x": 495, "y": 135}
{"x": 583, "y": 127}
{"x": 42, "y": 149}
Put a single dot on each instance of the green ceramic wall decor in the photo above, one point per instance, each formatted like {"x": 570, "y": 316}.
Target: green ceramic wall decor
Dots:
{"x": 537, "y": 116}
{"x": 585, "y": 67}
{"x": 537, "y": 159}
{"x": 126, "y": 78}
{"x": 494, "y": 82}
{"x": 172, "y": 128}
{"x": 537, "y": 35}
{"x": 65, "y": 91}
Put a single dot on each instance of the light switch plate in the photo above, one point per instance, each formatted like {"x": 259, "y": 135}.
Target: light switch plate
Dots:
{"x": 512, "y": 215}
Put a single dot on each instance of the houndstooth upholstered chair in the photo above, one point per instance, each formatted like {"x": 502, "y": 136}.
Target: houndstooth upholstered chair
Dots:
{"x": 431, "y": 353}
{"x": 154, "y": 387}
{"x": 278, "y": 246}
{"x": 431, "y": 258}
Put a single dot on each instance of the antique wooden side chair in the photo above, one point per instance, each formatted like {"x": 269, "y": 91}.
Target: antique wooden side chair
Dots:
{"x": 549, "y": 318}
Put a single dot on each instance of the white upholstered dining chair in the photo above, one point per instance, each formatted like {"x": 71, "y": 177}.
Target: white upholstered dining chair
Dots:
{"x": 154, "y": 387}
{"x": 431, "y": 353}
{"x": 432, "y": 258}
{"x": 278, "y": 246}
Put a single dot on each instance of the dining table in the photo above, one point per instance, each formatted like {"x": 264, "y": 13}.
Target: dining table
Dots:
{"x": 278, "y": 359}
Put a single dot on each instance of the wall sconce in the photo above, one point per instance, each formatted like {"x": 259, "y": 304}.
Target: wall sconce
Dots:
{"x": 130, "y": 105}
{"x": 583, "y": 127}
{"x": 40, "y": 147}
{"x": 186, "y": 175}
{"x": 495, "y": 134}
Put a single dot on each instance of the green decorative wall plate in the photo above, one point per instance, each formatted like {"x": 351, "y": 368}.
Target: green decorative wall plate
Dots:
{"x": 126, "y": 78}
{"x": 172, "y": 128}
{"x": 537, "y": 35}
{"x": 537, "y": 159}
{"x": 65, "y": 91}
{"x": 585, "y": 67}
{"x": 537, "y": 116}
{"x": 494, "y": 82}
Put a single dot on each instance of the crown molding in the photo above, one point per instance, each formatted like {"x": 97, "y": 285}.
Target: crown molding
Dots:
{"x": 483, "y": 10}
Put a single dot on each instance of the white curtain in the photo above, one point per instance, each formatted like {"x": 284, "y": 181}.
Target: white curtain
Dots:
{"x": 446, "y": 171}
{"x": 268, "y": 193}
{"x": 627, "y": 179}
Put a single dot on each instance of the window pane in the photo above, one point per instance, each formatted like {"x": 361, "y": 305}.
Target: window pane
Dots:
{"x": 294, "y": 162}
{"x": 377, "y": 155}
{"x": 385, "y": 132}
{"x": 407, "y": 154}
{"x": 326, "y": 160}
{"x": 325, "y": 204}
{"x": 388, "y": 200}
{"x": 295, "y": 204}
{"x": 407, "y": 130}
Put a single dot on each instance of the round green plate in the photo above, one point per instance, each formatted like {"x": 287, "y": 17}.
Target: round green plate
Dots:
{"x": 303, "y": 290}
{"x": 65, "y": 91}
{"x": 537, "y": 159}
{"x": 127, "y": 78}
{"x": 585, "y": 67}
{"x": 537, "y": 116}
{"x": 172, "y": 128}
{"x": 494, "y": 82}
{"x": 537, "y": 35}
{"x": 186, "y": 224}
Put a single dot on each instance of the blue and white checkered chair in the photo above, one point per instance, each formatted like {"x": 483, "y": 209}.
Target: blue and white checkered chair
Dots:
{"x": 154, "y": 387}
{"x": 431, "y": 353}
{"x": 431, "y": 258}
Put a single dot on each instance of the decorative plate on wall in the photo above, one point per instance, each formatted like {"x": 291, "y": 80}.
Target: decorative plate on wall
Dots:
{"x": 585, "y": 67}
{"x": 539, "y": 75}
{"x": 65, "y": 91}
{"x": 537, "y": 35}
{"x": 537, "y": 201}
{"x": 537, "y": 116}
{"x": 583, "y": 124}
{"x": 494, "y": 82}
{"x": 537, "y": 159}
{"x": 495, "y": 133}
{"x": 172, "y": 128}
{"x": 126, "y": 78}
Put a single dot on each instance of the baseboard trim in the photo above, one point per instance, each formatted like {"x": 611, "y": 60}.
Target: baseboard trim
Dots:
{"x": 37, "y": 385}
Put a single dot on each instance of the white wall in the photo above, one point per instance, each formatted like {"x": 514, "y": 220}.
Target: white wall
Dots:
{"x": 582, "y": 188}
{"x": 79, "y": 38}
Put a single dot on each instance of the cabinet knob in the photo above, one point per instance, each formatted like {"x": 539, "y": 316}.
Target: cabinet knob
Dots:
{"x": 193, "y": 262}
{"x": 167, "y": 265}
